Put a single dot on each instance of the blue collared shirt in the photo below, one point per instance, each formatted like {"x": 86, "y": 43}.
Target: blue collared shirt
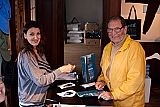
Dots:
{"x": 5, "y": 15}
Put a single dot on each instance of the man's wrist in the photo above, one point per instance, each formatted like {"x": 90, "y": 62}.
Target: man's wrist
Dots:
{"x": 102, "y": 81}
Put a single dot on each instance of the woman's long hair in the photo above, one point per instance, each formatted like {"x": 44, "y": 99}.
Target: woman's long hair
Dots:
{"x": 26, "y": 45}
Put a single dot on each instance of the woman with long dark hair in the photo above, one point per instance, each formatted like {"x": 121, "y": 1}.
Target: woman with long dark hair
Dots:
{"x": 34, "y": 73}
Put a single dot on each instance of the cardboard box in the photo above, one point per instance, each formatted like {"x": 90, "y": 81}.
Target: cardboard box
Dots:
{"x": 147, "y": 89}
{"x": 91, "y": 27}
{"x": 95, "y": 42}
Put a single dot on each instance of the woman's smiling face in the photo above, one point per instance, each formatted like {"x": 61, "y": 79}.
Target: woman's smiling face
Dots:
{"x": 33, "y": 36}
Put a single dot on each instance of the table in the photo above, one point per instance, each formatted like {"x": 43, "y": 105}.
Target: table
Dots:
{"x": 88, "y": 101}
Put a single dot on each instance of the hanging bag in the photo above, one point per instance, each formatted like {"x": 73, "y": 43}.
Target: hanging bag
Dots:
{"x": 74, "y": 24}
{"x": 134, "y": 25}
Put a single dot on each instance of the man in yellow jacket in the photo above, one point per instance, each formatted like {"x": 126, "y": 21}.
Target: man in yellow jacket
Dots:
{"x": 123, "y": 67}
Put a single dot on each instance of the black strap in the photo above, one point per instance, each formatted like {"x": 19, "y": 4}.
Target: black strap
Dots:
{"x": 134, "y": 12}
{"x": 74, "y": 20}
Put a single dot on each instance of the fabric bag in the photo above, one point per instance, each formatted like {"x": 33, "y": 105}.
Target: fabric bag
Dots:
{"x": 74, "y": 24}
{"x": 134, "y": 25}
{"x": 89, "y": 70}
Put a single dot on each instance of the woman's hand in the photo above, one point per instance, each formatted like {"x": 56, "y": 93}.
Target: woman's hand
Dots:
{"x": 2, "y": 92}
{"x": 105, "y": 95}
{"x": 100, "y": 85}
{"x": 67, "y": 68}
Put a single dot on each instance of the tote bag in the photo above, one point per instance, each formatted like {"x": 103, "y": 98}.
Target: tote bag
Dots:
{"x": 134, "y": 25}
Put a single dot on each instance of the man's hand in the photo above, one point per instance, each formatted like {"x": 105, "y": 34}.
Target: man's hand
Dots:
{"x": 105, "y": 95}
{"x": 100, "y": 85}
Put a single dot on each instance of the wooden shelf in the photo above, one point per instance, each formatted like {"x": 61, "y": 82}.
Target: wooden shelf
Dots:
{"x": 73, "y": 52}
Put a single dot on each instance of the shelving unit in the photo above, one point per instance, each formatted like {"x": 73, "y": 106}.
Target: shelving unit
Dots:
{"x": 75, "y": 36}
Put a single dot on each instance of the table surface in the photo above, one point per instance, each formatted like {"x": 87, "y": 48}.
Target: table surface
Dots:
{"x": 88, "y": 101}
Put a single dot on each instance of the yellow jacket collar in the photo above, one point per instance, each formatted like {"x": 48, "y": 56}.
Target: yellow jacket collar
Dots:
{"x": 124, "y": 46}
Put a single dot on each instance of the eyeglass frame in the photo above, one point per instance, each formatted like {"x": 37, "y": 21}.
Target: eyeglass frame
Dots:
{"x": 117, "y": 28}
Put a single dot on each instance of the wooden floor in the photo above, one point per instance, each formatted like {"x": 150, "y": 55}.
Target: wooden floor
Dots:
{"x": 154, "y": 96}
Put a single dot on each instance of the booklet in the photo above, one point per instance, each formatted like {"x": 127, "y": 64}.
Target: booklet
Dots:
{"x": 89, "y": 70}
{"x": 89, "y": 93}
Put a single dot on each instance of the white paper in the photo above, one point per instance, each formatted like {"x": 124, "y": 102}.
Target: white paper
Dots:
{"x": 68, "y": 93}
{"x": 88, "y": 85}
{"x": 66, "y": 85}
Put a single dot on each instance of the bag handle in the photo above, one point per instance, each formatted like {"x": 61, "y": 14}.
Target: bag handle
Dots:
{"x": 134, "y": 12}
{"x": 74, "y": 20}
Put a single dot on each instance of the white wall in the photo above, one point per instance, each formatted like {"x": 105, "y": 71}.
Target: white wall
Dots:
{"x": 153, "y": 33}
{"x": 84, "y": 10}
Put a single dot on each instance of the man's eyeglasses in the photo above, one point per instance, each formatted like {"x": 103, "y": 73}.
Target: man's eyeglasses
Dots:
{"x": 117, "y": 29}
